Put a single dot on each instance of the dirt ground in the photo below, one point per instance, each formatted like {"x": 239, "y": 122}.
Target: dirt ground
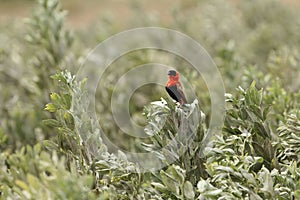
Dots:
{"x": 81, "y": 14}
{"x": 84, "y": 13}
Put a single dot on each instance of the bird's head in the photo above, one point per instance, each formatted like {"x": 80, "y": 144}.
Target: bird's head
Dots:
{"x": 173, "y": 75}
{"x": 172, "y": 72}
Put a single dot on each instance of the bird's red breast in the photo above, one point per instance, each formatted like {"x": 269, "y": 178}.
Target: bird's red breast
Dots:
{"x": 173, "y": 80}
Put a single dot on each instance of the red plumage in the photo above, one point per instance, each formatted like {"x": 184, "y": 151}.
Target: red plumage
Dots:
{"x": 174, "y": 87}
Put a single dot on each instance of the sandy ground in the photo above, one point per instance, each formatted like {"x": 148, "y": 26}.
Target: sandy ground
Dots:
{"x": 84, "y": 13}
{"x": 81, "y": 14}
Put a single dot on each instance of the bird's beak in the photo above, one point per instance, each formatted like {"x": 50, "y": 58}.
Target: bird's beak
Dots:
{"x": 169, "y": 73}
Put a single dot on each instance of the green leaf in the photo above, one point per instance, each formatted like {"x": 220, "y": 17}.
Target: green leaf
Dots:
{"x": 22, "y": 185}
{"x": 258, "y": 149}
{"x": 224, "y": 169}
{"x": 50, "y": 107}
{"x": 51, "y": 122}
{"x": 37, "y": 148}
{"x": 69, "y": 120}
{"x": 55, "y": 98}
{"x": 261, "y": 130}
{"x": 66, "y": 100}
{"x": 170, "y": 182}
{"x": 249, "y": 177}
{"x": 243, "y": 114}
{"x": 202, "y": 186}
{"x": 213, "y": 193}
{"x": 266, "y": 112}
{"x": 267, "y": 181}
{"x": 59, "y": 77}
{"x": 33, "y": 182}
{"x": 160, "y": 187}
{"x": 188, "y": 190}
{"x": 269, "y": 150}
{"x": 177, "y": 172}
{"x": 50, "y": 145}
{"x": 257, "y": 111}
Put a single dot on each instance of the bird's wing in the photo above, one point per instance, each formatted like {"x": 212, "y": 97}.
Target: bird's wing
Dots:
{"x": 180, "y": 90}
{"x": 176, "y": 93}
{"x": 182, "y": 95}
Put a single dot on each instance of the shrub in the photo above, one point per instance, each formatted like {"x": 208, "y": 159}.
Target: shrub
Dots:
{"x": 63, "y": 153}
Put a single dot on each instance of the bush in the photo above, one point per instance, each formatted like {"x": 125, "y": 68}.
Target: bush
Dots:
{"x": 62, "y": 153}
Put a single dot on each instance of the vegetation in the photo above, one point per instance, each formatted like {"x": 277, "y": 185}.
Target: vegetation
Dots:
{"x": 53, "y": 148}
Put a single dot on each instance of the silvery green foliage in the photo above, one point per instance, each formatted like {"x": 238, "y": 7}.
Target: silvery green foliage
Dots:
{"x": 40, "y": 49}
{"x": 31, "y": 173}
{"x": 289, "y": 135}
{"x": 50, "y": 40}
{"x": 255, "y": 157}
{"x": 245, "y": 162}
{"x": 176, "y": 134}
{"x": 79, "y": 138}
{"x": 249, "y": 160}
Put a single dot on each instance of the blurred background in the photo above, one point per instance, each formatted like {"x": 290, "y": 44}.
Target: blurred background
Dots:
{"x": 248, "y": 40}
{"x": 82, "y": 14}
{"x": 254, "y": 43}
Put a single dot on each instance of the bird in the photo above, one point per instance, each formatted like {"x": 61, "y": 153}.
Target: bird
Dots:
{"x": 174, "y": 87}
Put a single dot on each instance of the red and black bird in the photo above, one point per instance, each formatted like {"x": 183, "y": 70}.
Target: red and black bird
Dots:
{"x": 174, "y": 87}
